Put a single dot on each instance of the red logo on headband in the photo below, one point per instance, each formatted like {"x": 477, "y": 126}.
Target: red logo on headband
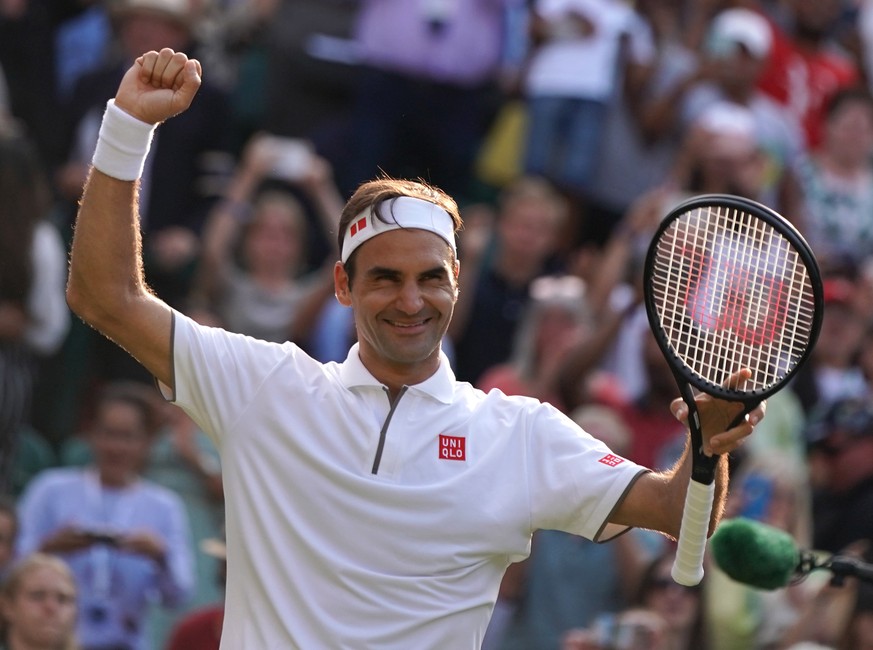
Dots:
{"x": 357, "y": 227}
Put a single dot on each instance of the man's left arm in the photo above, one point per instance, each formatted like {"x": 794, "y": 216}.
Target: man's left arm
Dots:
{"x": 657, "y": 499}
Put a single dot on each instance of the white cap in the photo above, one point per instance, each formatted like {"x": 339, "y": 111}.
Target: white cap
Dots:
{"x": 731, "y": 128}
{"x": 739, "y": 26}
{"x": 728, "y": 119}
{"x": 400, "y": 212}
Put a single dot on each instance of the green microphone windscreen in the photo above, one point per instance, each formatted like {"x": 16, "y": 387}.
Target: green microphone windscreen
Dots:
{"x": 755, "y": 554}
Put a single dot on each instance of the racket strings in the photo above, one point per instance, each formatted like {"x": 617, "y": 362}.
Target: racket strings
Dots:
{"x": 731, "y": 292}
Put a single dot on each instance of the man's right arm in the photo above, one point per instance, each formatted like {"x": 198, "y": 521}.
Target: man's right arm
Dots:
{"x": 106, "y": 285}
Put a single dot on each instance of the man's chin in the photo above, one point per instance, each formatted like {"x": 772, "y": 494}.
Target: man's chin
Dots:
{"x": 414, "y": 354}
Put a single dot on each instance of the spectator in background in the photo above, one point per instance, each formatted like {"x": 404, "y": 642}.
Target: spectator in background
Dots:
{"x": 639, "y": 157}
{"x": 735, "y": 52}
{"x": 719, "y": 154}
{"x": 253, "y": 265}
{"x": 34, "y": 453}
{"x": 310, "y": 74}
{"x": 8, "y": 534}
{"x": 29, "y": 52}
{"x": 833, "y": 372}
{"x": 126, "y": 539}
{"x": 837, "y": 182}
{"x": 835, "y": 617}
{"x": 680, "y": 607}
{"x": 254, "y": 273}
{"x": 807, "y": 66}
{"x": 840, "y": 436}
{"x": 664, "y": 616}
{"x": 557, "y": 316}
{"x": 577, "y": 60}
{"x": 38, "y": 605}
{"x": 82, "y": 43}
{"x": 424, "y": 93}
{"x": 33, "y": 313}
{"x": 201, "y": 629}
{"x": 183, "y": 459}
{"x": 503, "y": 253}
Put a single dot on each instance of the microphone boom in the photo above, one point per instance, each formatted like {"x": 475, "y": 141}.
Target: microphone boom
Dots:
{"x": 766, "y": 557}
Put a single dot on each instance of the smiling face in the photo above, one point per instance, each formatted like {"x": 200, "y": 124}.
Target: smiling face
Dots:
{"x": 403, "y": 295}
{"x": 273, "y": 242}
{"x": 120, "y": 442}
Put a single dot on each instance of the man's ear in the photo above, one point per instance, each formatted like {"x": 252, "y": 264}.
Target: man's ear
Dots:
{"x": 341, "y": 285}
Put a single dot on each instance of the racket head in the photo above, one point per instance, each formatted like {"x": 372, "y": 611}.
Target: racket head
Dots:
{"x": 730, "y": 283}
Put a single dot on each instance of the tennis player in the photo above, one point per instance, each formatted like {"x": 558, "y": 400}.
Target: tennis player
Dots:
{"x": 373, "y": 503}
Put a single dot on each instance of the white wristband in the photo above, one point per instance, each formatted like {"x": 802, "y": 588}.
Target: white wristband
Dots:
{"x": 123, "y": 144}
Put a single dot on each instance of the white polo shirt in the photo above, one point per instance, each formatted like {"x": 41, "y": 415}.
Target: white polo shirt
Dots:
{"x": 355, "y": 523}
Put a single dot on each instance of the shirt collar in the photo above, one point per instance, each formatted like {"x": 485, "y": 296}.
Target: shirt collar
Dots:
{"x": 440, "y": 385}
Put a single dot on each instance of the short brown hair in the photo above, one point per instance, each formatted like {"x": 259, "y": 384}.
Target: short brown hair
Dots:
{"x": 373, "y": 193}
{"x": 141, "y": 396}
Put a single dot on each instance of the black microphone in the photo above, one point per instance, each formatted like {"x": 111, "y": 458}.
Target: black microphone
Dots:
{"x": 766, "y": 557}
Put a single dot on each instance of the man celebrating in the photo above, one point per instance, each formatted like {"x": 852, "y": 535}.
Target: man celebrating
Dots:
{"x": 376, "y": 502}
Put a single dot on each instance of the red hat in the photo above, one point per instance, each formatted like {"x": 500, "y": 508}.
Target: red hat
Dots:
{"x": 838, "y": 291}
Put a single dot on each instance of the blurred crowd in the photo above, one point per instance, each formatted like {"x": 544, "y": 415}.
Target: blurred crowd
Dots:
{"x": 566, "y": 130}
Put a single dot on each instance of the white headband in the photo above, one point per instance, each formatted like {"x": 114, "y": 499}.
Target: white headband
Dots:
{"x": 406, "y": 212}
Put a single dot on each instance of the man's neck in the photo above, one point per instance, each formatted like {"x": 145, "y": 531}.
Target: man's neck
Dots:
{"x": 395, "y": 376}
{"x": 116, "y": 482}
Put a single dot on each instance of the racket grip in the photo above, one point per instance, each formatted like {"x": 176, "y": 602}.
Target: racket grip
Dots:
{"x": 688, "y": 565}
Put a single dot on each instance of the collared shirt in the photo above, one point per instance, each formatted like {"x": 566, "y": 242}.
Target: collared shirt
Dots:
{"x": 354, "y": 521}
{"x": 114, "y": 586}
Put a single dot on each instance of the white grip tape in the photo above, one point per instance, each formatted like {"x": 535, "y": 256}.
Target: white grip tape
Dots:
{"x": 688, "y": 566}
{"x": 122, "y": 145}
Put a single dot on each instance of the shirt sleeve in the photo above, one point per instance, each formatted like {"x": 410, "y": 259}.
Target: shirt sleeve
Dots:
{"x": 217, "y": 373}
{"x": 575, "y": 480}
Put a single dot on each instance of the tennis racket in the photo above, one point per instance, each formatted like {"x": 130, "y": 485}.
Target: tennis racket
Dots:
{"x": 728, "y": 284}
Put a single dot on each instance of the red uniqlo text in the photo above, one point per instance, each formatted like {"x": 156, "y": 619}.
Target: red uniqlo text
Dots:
{"x": 453, "y": 447}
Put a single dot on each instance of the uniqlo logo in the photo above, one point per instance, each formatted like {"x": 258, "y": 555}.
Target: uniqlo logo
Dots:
{"x": 611, "y": 460}
{"x": 453, "y": 447}
{"x": 358, "y": 227}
